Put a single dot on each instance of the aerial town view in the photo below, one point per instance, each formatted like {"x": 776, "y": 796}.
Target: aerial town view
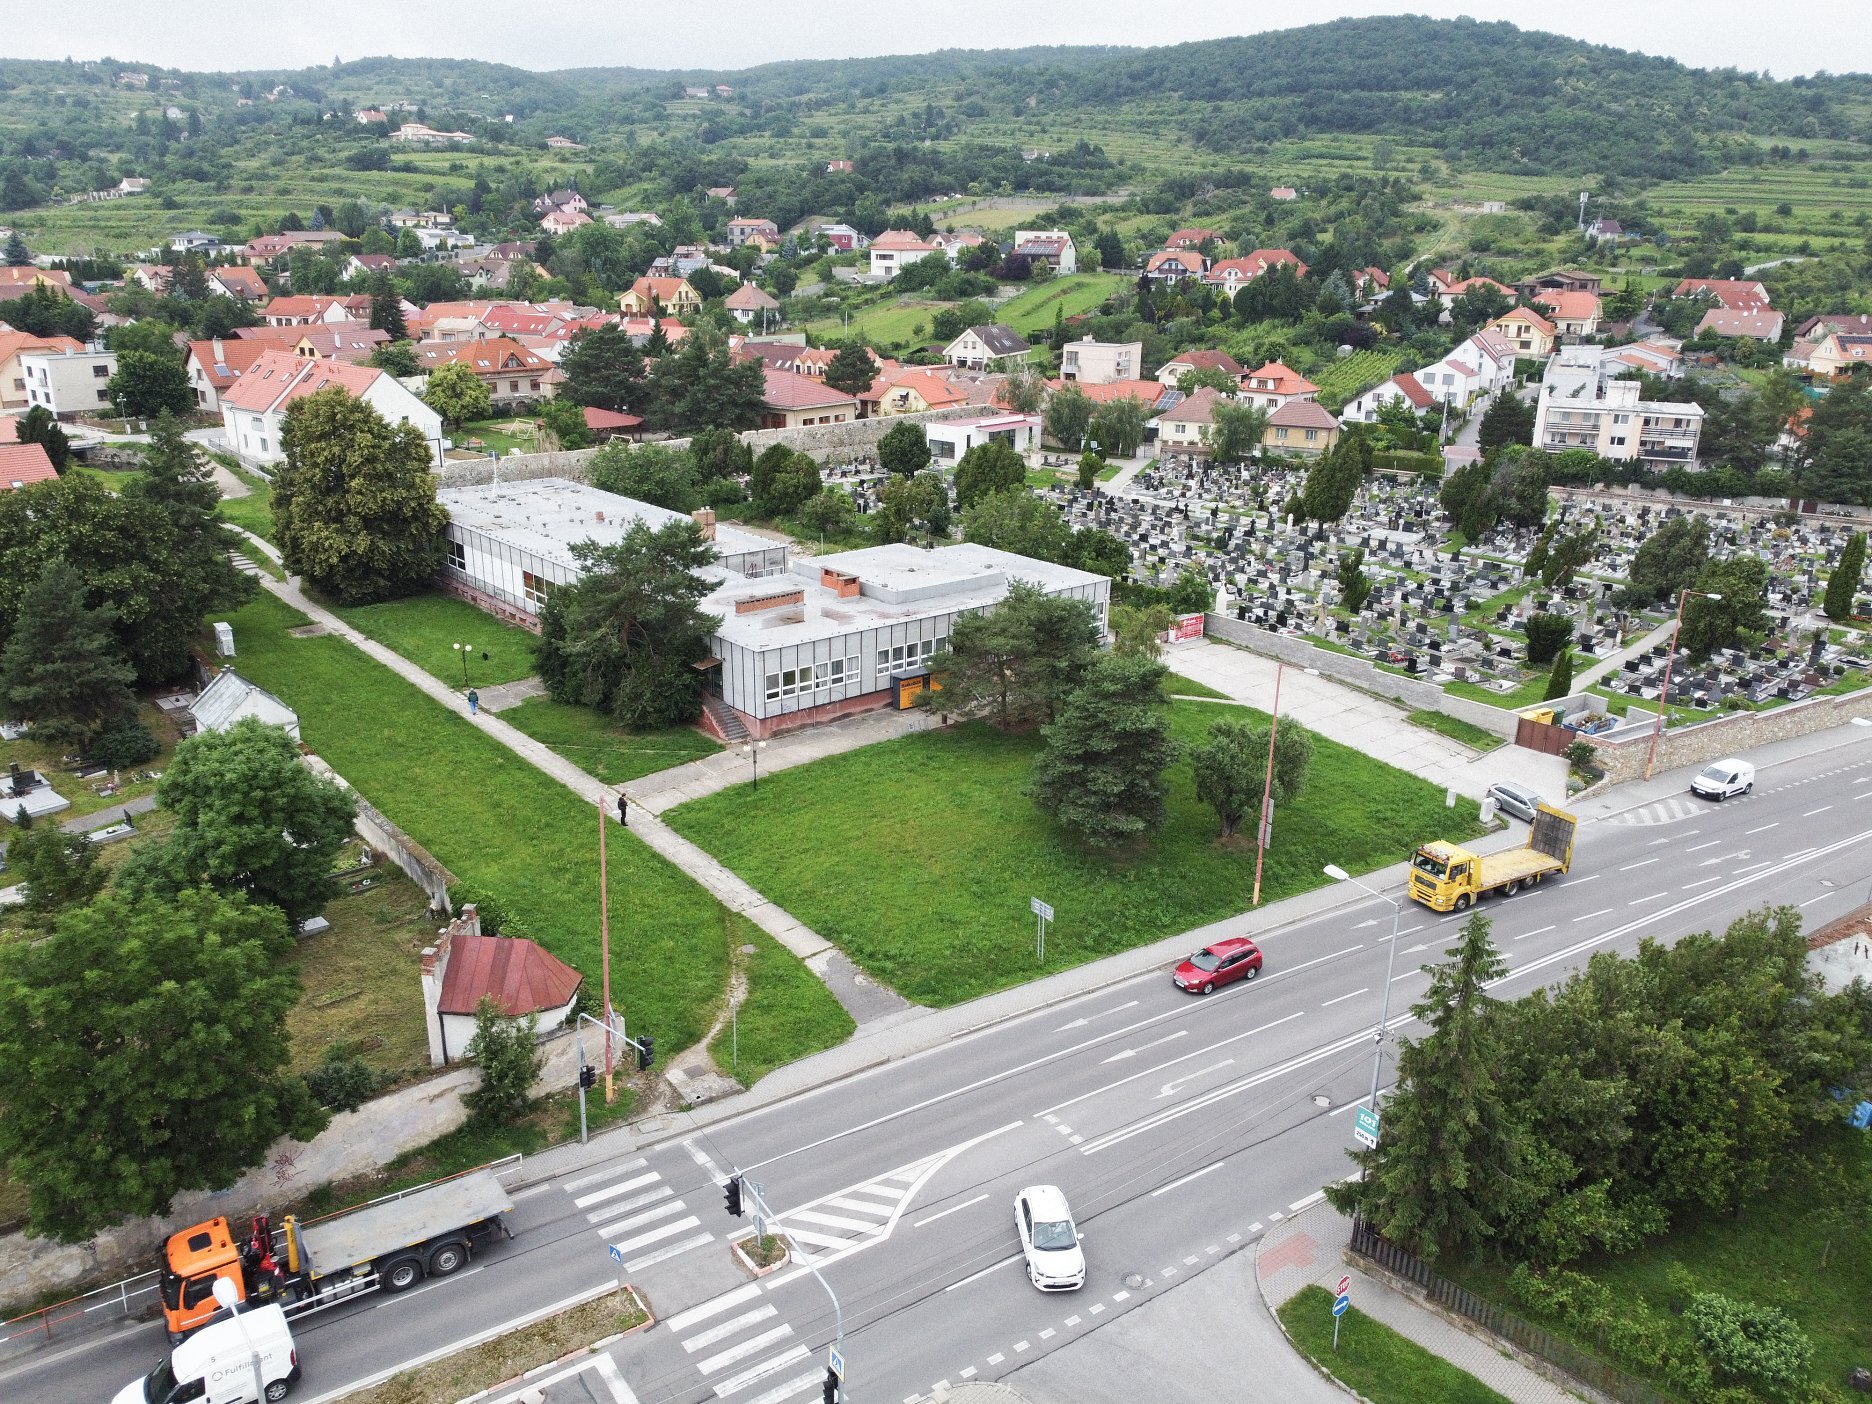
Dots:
{"x": 1045, "y": 708}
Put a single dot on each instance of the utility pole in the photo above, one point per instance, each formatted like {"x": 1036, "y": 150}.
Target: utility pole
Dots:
{"x": 604, "y": 947}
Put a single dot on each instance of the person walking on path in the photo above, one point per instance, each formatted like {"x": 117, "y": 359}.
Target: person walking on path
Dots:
{"x": 623, "y": 810}
{"x": 474, "y": 702}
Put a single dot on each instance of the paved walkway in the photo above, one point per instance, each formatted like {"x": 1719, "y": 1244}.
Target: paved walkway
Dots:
{"x": 1612, "y": 663}
{"x": 1310, "y": 1248}
{"x": 1366, "y": 723}
{"x": 730, "y": 890}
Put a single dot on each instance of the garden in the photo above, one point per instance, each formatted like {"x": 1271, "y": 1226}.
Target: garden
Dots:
{"x": 923, "y": 852}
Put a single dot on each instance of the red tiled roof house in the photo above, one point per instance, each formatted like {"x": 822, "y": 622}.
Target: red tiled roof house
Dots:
{"x": 464, "y": 967}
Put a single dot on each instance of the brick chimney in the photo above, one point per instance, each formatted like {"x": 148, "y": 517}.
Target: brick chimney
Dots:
{"x": 842, "y": 583}
{"x": 434, "y": 967}
{"x": 705, "y": 518}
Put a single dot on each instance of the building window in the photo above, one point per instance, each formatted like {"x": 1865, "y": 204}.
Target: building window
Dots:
{"x": 103, "y": 397}
{"x": 1618, "y": 441}
{"x": 100, "y": 372}
{"x": 909, "y": 657}
{"x": 536, "y": 587}
{"x": 457, "y": 555}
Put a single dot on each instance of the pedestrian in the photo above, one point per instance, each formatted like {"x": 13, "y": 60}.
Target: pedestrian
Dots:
{"x": 623, "y": 809}
{"x": 474, "y": 702}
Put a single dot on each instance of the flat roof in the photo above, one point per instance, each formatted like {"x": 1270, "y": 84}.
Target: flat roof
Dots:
{"x": 547, "y": 516}
{"x": 897, "y": 584}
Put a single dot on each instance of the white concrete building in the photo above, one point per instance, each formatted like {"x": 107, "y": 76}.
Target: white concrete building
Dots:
{"x": 895, "y": 249}
{"x": 1089, "y": 362}
{"x": 949, "y": 439}
{"x": 69, "y": 383}
{"x": 253, "y": 408}
{"x": 1582, "y": 405}
{"x": 230, "y": 698}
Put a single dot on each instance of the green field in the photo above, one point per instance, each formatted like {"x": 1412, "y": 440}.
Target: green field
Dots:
{"x": 787, "y": 1011}
{"x": 598, "y": 746}
{"x": 253, "y": 512}
{"x": 426, "y": 629}
{"x": 1373, "y": 1360}
{"x": 1350, "y": 376}
{"x": 946, "y": 918}
{"x": 1033, "y": 310}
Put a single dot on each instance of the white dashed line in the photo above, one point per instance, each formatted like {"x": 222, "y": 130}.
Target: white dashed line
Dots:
{"x": 1645, "y": 864}
{"x": 1537, "y": 931}
{"x": 996, "y": 1358}
{"x": 1763, "y": 829}
{"x": 1821, "y": 810}
{"x": 1590, "y": 915}
{"x": 1701, "y": 846}
{"x": 1702, "y": 882}
{"x": 1640, "y": 901}
{"x": 1339, "y": 998}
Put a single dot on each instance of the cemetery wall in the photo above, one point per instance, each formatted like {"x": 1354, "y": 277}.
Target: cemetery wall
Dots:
{"x": 1412, "y": 692}
{"x": 1737, "y": 506}
{"x": 1623, "y": 758}
{"x": 386, "y": 838}
{"x": 826, "y": 442}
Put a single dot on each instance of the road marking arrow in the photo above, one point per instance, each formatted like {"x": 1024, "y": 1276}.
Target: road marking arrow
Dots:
{"x": 1170, "y": 1088}
{"x": 1085, "y": 1019}
{"x": 1133, "y": 1052}
{"x": 1363, "y": 924}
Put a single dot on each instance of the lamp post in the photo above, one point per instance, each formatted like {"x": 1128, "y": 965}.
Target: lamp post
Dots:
{"x": 464, "y": 650}
{"x": 752, "y": 751}
{"x": 226, "y": 1295}
{"x": 1339, "y": 874}
{"x": 1683, "y": 598}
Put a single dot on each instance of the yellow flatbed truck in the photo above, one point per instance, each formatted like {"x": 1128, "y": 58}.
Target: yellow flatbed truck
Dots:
{"x": 1447, "y": 877}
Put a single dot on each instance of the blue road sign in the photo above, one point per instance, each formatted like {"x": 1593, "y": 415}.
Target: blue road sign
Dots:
{"x": 617, "y": 1254}
{"x": 1341, "y": 1304}
{"x": 837, "y": 1364}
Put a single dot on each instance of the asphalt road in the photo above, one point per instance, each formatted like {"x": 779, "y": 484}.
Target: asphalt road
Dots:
{"x": 1180, "y": 1127}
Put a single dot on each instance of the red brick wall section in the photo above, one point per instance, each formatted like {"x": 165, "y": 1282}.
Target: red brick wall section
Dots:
{"x": 488, "y": 604}
{"x": 812, "y": 716}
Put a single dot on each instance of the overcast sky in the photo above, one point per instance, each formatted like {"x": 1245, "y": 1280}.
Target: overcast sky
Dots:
{"x": 741, "y": 33}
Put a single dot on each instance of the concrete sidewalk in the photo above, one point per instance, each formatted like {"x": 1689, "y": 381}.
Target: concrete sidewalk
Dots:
{"x": 1611, "y": 664}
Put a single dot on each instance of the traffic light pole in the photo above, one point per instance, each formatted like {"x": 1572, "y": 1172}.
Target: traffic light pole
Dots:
{"x": 588, "y": 1075}
{"x": 739, "y": 1185}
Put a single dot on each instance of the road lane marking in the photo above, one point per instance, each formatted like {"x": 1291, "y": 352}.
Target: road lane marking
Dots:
{"x": 798, "y": 1385}
{"x": 1354, "y": 995}
{"x": 1640, "y": 901}
{"x": 1592, "y": 877}
{"x": 1762, "y": 830}
{"x": 666, "y": 1231}
{"x": 1194, "y": 1053}
{"x": 1821, "y": 810}
{"x": 675, "y": 1250}
{"x": 683, "y": 1320}
{"x": 1629, "y": 866}
{"x": 636, "y": 1201}
{"x": 604, "y": 1174}
{"x": 1701, "y": 846}
{"x": 753, "y": 1345}
{"x": 954, "y": 1209}
{"x": 760, "y": 1372}
{"x": 1133, "y": 1052}
{"x": 704, "y": 1339}
{"x": 983, "y": 1273}
{"x": 1407, "y": 974}
{"x": 1537, "y": 931}
{"x": 1702, "y": 882}
{"x": 585, "y": 1201}
{"x": 1751, "y": 867}
{"x": 813, "y": 1216}
{"x": 701, "y": 1158}
{"x": 1177, "y": 1184}
{"x": 1170, "y": 1088}
{"x": 1607, "y": 911}
{"x": 662, "y": 1211}
{"x": 863, "y": 1206}
{"x": 1085, "y": 1019}
{"x": 1811, "y": 900}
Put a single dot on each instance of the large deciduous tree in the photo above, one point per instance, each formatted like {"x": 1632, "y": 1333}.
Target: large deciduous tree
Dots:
{"x": 1509, "y": 419}
{"x": 249, "y": 819}
{"x": 1018, "y": 662}
{"x": 700, "y": 385}
{"x": 986, "y": 468}
{"x": 63, "y": 669}
{"x": 457, "y": 394}
{"x": 1669, "y": 559}
{"x": 146, "y": 384}
{"x": 1832, "y": 456}
{"x": 904, "y": 449}
{"x": 1101, "y": 776}
{"x": 652, "y": 473}
{"x": 1231, "y": 767}
{"x": 147, "y": 1038}
{"x": 1013, "y": 519}
{"x": 851, "y": 370}
{"x": 1068, "y": 417}
{"x": 355, "y": 503}
{"x": 1117, "y": 427}
{"x": 1235, "y": 431}
{"x": 626, "y": 636}
{"x": 1739, "y": 619}
{"x": 54, "y": 869}
{"x": 603, "y": 369}
{"x": 39, "y": 426}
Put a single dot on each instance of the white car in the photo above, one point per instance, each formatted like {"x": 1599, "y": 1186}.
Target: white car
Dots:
{"x": 1049, "y": 1241}
{"x": 1723, "y": 779}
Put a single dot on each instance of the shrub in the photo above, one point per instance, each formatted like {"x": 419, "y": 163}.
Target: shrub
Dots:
{"x": 1547, "y": 634}
{"x": 1749, "y": 1342}
{"x": 343, "y": 1082}
{"x": 124, "y": 743}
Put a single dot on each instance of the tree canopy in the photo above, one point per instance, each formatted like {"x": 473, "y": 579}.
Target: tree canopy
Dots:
{"x": 1102, "y": 774}
{"x": 1018, "y": 661}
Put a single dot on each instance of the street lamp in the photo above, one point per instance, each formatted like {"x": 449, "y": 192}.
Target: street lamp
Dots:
{"x": 752, "y": 751}
{"x": 1267, "y": 785}
{"x": 1663, "y": 701}
{"x": 1339, "y": 874}
{"x": 464, "y": 650}
{"x": 226, "y": 1295}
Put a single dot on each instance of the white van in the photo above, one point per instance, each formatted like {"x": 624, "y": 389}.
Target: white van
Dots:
{"x": 1723, "y": 779}
{"x": 216, "y": 1364}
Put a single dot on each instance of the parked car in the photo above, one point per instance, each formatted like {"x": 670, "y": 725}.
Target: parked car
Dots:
{"x": 1514, "y": 799}
{"x": 1049, "y": 1240}
{"x": 1226, "y": 961}
{"x": 1723, "y": 779}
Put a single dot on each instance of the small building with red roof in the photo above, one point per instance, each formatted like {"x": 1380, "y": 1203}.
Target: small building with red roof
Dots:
{"x": 22, "y": 465}
{"x": 793, "y": 400}
{"x": 1302, "y": 427}
{"x": 1406, "y": 389}
{"x": 464, "y": 967}
{"x": 253, "y": 409}
{"x": 1274, "y": 385}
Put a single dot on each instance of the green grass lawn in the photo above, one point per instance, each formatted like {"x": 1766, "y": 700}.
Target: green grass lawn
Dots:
{"x": 254, "y": 512}
{"x": 504, "y": 433}
{"x": 1785, "y": 1250}
{"x": 1455, "y": 728}
{"x": 1179, "y": 686}
{"x": 924, "y": 852}
{"x": 786, "y": 1013}
{"x": 1527, "y": 694}
{"x": 1375, "y": 1361}
{"x": 1033, "y": 309}
{"x": 500, "y": 825}
{"x": 598, "y": 746}
{"x": 426, "y": 628}
{"x": 84, "y": 795}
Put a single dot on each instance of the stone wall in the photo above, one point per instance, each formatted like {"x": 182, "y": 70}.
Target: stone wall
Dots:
{"x": 356, "y": 1143}
{"x": 376, "y": 829}
{"x": 855, "y": 438}
{"x": 1732, "y": 734}
{"x": 1415, "y": 693}
{"x": 1738, "y": 506}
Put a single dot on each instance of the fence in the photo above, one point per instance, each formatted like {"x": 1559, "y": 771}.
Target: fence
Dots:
{"x": 1525, "y": 1337}
{"x": 131, "y": 1299}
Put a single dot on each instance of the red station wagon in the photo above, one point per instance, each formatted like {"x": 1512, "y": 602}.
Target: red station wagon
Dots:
{"x": 1235, "y": 959}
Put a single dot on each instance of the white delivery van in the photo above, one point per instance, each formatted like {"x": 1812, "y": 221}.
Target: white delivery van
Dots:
{"x": 1723, "y": 779}
{"x": 216, "y": 1364}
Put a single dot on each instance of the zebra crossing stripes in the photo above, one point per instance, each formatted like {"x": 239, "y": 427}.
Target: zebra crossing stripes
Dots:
{"x": 637, "y": 1214}
{"x": 736, "y": 1343}
{"x": 1665, "y": 811}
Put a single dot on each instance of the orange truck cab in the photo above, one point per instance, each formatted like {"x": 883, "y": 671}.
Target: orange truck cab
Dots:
{"x": 192, "y": 1262}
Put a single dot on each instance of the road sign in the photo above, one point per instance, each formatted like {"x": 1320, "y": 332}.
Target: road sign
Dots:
{"x": 1341, "y": 1304}
{"x": 1345, "y": 1285}
{"x": 1365, "y": 1127}
{"x": 617, "y": 1254}
{"x": 1041, "y": 909}
{"x": 836, "y": 1363}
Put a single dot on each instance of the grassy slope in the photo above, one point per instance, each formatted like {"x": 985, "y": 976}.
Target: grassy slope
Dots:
{"x": 1375, "y": 1361}
{"x": 425, "y": 628}
{"x": 599, "y": 747}
{"x": 946, "y": 918}
{"x": 786, "y": 1013}
{"x": 500, "y": 825}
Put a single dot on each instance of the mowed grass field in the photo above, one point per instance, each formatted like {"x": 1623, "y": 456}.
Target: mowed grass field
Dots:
{"x": 426, "y": 629}
{"x": 924, "y": 851}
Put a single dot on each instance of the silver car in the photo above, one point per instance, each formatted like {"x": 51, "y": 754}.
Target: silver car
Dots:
{"x": 1514, "y": 799}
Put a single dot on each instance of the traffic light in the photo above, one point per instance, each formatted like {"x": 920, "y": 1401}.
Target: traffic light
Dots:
{"x": 646, "y": 1053}
{"x": 733, "y": 1189}
{"x": 588, "y": 1077}
{"x": 831, "y": 1385}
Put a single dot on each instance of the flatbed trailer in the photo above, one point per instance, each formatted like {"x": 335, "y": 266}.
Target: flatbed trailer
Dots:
{"x": 1447, "y": 877}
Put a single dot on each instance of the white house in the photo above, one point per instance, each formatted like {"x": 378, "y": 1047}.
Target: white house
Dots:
{"x": 1453, "y": 381}
{"x": 979, "y": 348}
{"x": 231, "y": 698}
{"x": 253, "y": 409}
{"x": 1053, "y": 247}
{"x": 1089, "y": 362}
{"x": 464, "y": 967}
{"x": 1405, "y": 388}
{"x": 1584, "y": 404}
{"x": 68, "y": 383}
{"x": 949, "y": 439}
{"x": 898, "y": 248}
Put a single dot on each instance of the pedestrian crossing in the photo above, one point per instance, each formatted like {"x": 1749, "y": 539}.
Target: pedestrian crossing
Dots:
{"x": 752, "y": 1356}
{"x": 1665, "y": 811}
{"x": 638, "y": 1214}
{"x": 855, "y": 1218}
